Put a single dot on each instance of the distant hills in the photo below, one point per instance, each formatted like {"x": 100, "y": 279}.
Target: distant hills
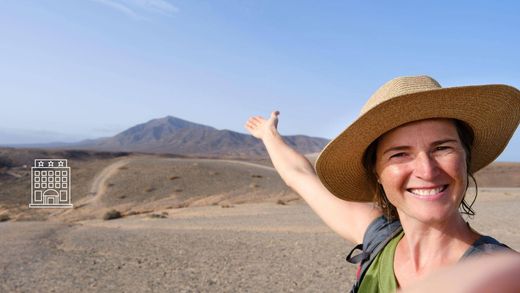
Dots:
{"x": 176, "y": 136}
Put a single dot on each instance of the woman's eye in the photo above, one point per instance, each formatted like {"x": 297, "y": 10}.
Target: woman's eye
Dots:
{"x": 442, "y": 148}
{"x": 398, "y": 155}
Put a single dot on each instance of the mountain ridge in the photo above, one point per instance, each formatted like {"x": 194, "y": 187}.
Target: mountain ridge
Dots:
{"x": 173, "y": 135}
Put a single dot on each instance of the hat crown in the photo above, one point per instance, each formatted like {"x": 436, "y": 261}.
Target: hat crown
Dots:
{"x": 400, "y": 86}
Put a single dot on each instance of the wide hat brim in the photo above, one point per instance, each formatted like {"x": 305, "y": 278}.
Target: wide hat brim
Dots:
{"x": 492, "y": 111}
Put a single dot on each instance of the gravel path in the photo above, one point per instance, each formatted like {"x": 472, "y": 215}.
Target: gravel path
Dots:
{"x": 98, "y": 187}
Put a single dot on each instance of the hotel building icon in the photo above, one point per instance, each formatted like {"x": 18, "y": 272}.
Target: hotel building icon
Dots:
{"x": 50, "y": 184}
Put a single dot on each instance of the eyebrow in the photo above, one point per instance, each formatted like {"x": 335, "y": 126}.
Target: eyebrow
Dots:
{"x": 405, "y": 147}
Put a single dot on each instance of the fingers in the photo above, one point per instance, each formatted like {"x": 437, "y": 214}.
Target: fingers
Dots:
{"x": 256, "y": 120}
{"x": 253, "y": 122}
{"x": 250, "y": 125}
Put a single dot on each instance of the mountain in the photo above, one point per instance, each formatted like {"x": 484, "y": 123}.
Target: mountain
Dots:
{"x": 176, "y": 136}
{"x": 25, "y": 137}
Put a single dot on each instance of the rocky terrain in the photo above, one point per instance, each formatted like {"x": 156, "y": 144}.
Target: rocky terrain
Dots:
{"x": 162, "y": 223}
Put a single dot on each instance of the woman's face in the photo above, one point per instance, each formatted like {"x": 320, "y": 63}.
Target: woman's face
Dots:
{"x": 422, "y": 168}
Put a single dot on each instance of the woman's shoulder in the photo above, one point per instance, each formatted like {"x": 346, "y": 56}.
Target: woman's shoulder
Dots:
{"x": 381, "y": 229}
{"x": 485, "y": 245}
{"x": 378, "y": 233}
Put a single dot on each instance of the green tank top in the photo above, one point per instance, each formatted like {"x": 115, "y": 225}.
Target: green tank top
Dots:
{"x": 380, "y": 275}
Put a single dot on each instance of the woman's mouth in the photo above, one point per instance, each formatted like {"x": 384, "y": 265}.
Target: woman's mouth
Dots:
{"x": 428, "y": 193}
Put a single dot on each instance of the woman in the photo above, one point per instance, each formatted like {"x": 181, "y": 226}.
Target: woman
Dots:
{"x": 395, "y": 178}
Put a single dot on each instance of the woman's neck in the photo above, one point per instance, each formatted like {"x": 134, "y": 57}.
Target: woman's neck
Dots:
{"x": 428, "y": 246}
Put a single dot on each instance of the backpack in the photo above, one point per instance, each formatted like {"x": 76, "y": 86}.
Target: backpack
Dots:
{"x": 381, "y": 231}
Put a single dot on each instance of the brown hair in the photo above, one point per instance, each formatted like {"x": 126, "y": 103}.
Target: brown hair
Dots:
{"x": 466, "y": 137}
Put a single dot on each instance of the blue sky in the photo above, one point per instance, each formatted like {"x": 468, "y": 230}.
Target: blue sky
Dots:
{"x": 91, "y": 68}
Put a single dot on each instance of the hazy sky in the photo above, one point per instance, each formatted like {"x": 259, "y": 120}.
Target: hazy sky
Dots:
{"x": 75, "y": 69}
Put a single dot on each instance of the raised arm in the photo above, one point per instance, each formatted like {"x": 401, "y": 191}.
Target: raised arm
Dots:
{"x": 348, "y": 219}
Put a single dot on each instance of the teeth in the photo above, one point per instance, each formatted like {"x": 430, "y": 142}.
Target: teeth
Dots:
{"x": 426, "y": 191}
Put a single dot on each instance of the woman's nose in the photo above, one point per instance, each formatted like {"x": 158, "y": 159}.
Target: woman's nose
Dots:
{"x": 425, "y": 167}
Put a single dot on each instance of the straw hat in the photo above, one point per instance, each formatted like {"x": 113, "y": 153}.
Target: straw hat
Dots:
{"x": 492, "y": 111}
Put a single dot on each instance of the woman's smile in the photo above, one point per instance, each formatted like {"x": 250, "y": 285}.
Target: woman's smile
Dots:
{"x": 428, "y": 193}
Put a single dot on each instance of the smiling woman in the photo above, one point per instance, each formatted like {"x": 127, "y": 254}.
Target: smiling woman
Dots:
{"x": 395, "y": 179}
{"x": 462, "y": 140}
{"x": 422, "y": 169}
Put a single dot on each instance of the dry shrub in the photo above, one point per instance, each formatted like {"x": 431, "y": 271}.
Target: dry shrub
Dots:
{"x": 112, "y": 214}
{"x": 226, "y": 205}
{"x": 158, "y": 216}
{"x": 4, "y": 217}
{"x": 150, "y": 189}
{"x": 281, "y": 202}
{"x": 257, "y": 176}
{"x": 181, "y": 205}
{"x": 174, "y": 177}
{"x": 6, "y": 162}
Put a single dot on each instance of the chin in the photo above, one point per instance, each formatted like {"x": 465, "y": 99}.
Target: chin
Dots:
{"x": 430, "y": 214}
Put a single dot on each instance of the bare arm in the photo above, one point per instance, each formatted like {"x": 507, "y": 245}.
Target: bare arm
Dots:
{"x": 489, "y": 273}
{"x": 348, "y": 219}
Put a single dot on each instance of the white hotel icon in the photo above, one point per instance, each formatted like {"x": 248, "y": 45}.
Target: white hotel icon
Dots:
{"x": 50, "y": 184}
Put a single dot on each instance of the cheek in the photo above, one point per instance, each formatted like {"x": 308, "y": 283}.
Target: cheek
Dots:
{"x": 457, "y": 169}
{"x": 393, "y": 178}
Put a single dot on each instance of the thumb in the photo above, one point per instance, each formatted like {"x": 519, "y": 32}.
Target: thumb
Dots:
{"x": 274, "y": 118}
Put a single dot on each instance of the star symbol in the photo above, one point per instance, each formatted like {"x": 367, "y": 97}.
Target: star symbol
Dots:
{"x": 40, "y": 164}
{"x": 51, "y": 164}
{"x": 60, "y": 164}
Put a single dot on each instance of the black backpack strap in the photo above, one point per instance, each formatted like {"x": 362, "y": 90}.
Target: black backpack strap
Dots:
{"x": 358, "y": 257}
{"x": 378, "y": 234}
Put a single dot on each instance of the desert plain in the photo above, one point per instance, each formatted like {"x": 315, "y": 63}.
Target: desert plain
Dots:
{"x": 190, "y": 225}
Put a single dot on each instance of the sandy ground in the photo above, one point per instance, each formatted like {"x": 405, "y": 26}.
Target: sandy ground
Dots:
{"x": 248, "y": 248}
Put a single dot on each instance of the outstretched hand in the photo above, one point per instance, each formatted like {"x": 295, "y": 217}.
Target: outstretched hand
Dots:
{"x": 259, "y": 127}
